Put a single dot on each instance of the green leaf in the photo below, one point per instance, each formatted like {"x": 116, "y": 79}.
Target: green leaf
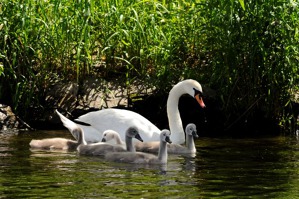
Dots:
{"x": 1, "y": 69}
{"x": 242, "y": 4}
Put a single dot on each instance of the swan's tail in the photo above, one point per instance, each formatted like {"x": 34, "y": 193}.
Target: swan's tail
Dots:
{"x": 74, "y": 128}
{"x": 69, "y": 124}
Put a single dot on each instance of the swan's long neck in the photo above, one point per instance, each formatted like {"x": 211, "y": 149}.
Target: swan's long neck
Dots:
{"x": 80, "y": 135}
{"x": 118, "y": 139}
{"x": 190, "y": 143}
{"x": 174, "y": 118}
{"x": 129, "y": 144}
{"x": 162, "y": 155}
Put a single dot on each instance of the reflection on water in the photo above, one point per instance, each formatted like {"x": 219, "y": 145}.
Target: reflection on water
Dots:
{"x": 223, "y": 168}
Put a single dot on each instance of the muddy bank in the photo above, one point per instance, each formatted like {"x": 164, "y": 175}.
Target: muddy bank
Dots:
{"x": 95, "y": 94}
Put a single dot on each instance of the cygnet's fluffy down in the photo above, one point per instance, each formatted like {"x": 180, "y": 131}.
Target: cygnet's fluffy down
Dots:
{"x": 143, "y": 158}
{"x": 102, "y": 148}
{"x": 153, "y": 147}
{"x": 57, "y": 143}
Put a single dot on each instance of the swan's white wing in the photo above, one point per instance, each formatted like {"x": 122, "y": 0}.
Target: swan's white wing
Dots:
{"x": 120, "y": 120}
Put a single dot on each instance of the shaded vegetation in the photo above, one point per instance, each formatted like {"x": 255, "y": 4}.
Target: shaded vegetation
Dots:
{"x": 246, "y": 51}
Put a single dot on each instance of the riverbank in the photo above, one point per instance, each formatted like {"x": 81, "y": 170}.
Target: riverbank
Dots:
{"x": 95, "y": 94}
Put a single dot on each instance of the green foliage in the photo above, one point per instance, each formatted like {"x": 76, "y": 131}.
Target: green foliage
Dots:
{"x": 254, "y": 54}
{"x": 246, "y": 50}
{"x": 39, "y": 39}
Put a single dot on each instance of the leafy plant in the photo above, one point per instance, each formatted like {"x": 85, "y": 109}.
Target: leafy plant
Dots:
{"x": 245, "y": 50}
{"x": 254, "y": 56}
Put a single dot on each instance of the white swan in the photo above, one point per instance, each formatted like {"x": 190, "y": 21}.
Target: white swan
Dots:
{"x": 119, "y": 120}
{"x": 102, "y": 148}
{"x": 58, "y": 143}
{"x": 153, "y": 147}
{"x": 143, "y": 158}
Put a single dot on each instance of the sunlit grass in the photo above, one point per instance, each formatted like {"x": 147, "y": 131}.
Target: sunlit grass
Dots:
{"x": 247, "y": 51}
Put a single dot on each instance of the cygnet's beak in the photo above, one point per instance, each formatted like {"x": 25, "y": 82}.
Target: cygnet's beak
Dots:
{"x": 194, "y": 133}
{"x": 167, "y": 139}
{"x": 138, "y": 137}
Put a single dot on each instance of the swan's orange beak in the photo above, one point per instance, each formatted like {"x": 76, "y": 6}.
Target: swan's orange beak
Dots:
{"x": 200, "y": 101}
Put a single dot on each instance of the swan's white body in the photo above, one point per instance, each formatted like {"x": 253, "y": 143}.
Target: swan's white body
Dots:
{"x": 120, "y": 120}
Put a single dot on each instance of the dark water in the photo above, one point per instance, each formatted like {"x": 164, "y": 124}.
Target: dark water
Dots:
{"x": 222, "y": 168}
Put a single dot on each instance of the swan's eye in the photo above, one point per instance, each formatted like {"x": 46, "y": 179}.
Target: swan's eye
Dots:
{"x": 197, "y": 92}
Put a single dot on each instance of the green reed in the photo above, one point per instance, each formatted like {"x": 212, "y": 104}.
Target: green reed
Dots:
{"x": 246, "y": 51}
{"x": 255, "y": 57}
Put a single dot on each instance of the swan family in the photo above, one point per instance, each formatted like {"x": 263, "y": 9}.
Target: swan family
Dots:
{"x": 107, "y": 128}
{"x": 120, "y": 120}
{"x": 102, "y": 148}
{"x": 153, "y": 147}
{"x": 140, "y": 157}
